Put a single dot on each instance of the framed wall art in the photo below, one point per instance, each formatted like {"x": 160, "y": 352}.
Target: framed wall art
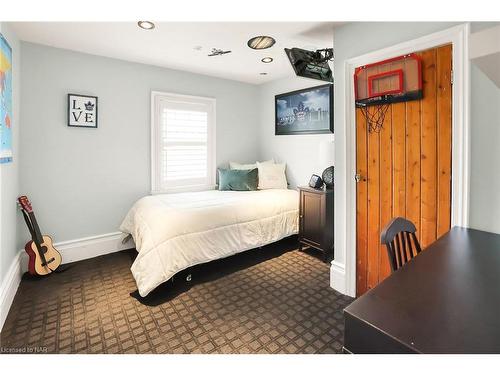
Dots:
{"x": 306, "y": 111}
{"x": 5, "y": 101}
{"x": 82, "y": 111}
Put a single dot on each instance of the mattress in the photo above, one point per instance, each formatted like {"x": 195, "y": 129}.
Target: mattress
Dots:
{"x": 175, "y": 231}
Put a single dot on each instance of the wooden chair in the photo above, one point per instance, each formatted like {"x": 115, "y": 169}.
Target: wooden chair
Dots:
{"x": 401, "y": 242}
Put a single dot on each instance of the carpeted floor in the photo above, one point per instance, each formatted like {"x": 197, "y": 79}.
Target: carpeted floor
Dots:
{"x": 270, "y": 300}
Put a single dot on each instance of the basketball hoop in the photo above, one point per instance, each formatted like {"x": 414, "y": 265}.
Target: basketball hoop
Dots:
{"x": 374, "y": 116}
{"x": 380, "y": 84}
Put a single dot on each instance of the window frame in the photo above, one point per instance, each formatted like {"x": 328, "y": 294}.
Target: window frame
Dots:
{"x": 156, "y": 98}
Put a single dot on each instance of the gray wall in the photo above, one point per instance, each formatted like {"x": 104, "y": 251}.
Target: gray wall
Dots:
{"x": 9, "y": 173}
{"x": 485, "y": 153}
{"x": 83, "y": 181}
{"x": 300, "y": 152}
{"x": 478, "y": 26}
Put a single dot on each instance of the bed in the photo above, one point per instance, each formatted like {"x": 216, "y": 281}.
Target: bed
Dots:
{"x": 175, "y": 231}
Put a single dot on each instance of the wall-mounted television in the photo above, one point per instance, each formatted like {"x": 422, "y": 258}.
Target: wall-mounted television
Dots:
{"x": 306, "y": 111}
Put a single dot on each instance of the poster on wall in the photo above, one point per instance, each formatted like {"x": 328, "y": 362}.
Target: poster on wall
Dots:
{"x": 5, "y": 101}
{"x": 307, "y": 111}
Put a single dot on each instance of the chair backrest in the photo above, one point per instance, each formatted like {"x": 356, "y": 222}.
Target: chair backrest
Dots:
{"x": 401, "y": 242}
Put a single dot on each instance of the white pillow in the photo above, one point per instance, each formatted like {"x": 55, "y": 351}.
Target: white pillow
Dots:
{"x": 238, "y": 166}
{"x": 272, "y": 176}
{"x": 234, "y": 165}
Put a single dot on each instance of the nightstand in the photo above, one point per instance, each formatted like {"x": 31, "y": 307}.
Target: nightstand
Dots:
{"x": 316, "y": 220}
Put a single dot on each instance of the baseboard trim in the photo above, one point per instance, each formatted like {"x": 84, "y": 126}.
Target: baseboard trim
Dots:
{"x": 91, "y": 247}
{"x": 71, "y": 251}
{"x": 337, "y": 277}
{"x": 9, "y": 287}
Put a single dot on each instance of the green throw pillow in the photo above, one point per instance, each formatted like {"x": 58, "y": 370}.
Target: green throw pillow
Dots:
{"x": 241, "y": 180}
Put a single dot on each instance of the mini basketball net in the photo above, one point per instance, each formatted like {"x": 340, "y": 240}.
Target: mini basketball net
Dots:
{"x": 385, "y": 82}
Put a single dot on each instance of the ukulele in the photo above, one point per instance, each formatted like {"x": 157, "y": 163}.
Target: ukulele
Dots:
{"x": 43, "y": 257}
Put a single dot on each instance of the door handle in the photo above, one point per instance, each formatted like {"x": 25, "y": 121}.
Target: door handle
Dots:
{"x": 357, "y": 177}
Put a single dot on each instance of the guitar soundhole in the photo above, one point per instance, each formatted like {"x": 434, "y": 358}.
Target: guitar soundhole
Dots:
{"x": 44, "y": 249}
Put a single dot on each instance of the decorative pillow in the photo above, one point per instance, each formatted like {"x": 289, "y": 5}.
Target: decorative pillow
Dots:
{"x": 234, "y": 165}
{"x": 272, "y": 176}
{"x": 240, "y": 180}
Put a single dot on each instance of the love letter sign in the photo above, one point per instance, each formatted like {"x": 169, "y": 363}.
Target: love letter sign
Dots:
{"x": 82, "y": 111}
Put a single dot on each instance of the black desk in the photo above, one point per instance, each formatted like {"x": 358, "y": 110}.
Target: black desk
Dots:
{"x": 446, "y": 300}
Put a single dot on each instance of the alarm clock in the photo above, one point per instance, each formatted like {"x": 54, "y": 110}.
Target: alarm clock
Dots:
{"x": 316, "y": 182}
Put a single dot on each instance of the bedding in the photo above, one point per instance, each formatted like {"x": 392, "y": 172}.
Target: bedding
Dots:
{"x": 175, "y": 231}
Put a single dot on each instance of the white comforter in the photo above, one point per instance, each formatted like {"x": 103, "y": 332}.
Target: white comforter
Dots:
{"x": 175, "y": 231}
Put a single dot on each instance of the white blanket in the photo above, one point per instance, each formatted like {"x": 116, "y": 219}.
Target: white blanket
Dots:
{"x": 175, "y": 231}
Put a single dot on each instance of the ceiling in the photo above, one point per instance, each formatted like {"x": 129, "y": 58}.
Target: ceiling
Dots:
{"x": 185, "y": 46}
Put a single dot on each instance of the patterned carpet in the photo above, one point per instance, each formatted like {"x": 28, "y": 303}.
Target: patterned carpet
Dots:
{"x": 270, "y": 300}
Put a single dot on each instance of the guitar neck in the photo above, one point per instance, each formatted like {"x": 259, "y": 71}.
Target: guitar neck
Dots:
{"x": 37, "y": 235}
{"x": 36, "y": 229}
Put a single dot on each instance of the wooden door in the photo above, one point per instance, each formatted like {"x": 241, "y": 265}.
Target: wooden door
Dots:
{"x": 405, "y": 169}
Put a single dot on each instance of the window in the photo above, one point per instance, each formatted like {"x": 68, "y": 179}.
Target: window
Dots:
{"x": 182, "y": 142}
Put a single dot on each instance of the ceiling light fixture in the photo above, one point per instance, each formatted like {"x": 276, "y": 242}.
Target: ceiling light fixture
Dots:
{"x": 261, "y": 42}
{"x": 263, "y": 74}
{"x": 146, "y": 25}
{"x": 267, "y": 60}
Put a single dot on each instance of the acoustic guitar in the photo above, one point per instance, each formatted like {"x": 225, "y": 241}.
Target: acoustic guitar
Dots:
{"x": 43, "y": 257}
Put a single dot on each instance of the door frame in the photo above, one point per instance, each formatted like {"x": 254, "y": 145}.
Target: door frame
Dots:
{"x": 458, "y": 36}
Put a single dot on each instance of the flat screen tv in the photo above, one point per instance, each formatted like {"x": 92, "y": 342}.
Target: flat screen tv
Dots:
{"x": 306, "y": 111}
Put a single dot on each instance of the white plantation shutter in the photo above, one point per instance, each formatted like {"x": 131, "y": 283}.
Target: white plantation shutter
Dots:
{"x": 182, "y": 142}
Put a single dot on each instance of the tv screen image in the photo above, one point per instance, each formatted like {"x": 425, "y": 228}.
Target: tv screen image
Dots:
{"x": 306, "y": 111}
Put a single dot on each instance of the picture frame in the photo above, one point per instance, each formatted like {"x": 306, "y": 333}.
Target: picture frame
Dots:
{"x": 82, "y": 111}
{"x": 303, "y": 111}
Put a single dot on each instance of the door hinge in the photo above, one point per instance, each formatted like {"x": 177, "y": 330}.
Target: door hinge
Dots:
{"x": 451, "y": 77}
{"x": 357, "y": 177}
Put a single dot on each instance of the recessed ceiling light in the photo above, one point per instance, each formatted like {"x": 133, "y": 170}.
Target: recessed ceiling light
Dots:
{"x": 267, "y": 60}
{"x": 261, "y": 42}
{"x": 146, "y": 25}
{"x": 263, "y": 74}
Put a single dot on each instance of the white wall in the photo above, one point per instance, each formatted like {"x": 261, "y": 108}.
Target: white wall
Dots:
{"x": 83, "y": 181}
{"x": 9, "y": 173}
{"x": 299, "y": 152}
